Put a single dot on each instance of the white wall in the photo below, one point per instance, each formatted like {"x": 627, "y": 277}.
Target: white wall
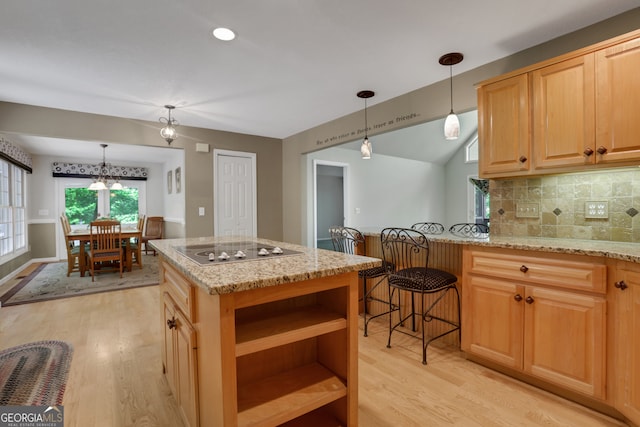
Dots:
{"x": 388, "y": 191}
{"x": 173, "y": 208}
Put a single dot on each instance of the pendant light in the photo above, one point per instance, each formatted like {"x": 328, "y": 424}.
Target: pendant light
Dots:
{"x": 365, "y": 148}
{"x": 169, "y": 132}
{"x": 451, "y": 123}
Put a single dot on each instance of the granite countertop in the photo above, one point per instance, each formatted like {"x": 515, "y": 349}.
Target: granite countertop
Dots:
{"x": 223, "y": 277}
{"x": 616, "y": 250}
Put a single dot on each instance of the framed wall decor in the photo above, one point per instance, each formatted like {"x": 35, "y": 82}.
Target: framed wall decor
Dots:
{"x": 169, "y": 181}
{"x": 178, "y": 180}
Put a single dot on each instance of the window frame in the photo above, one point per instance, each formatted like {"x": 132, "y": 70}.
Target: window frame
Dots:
{"x": 13, "y": 201}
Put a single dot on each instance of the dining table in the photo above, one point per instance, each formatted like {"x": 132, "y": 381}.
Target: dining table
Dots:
{"x": 84, "y": 236}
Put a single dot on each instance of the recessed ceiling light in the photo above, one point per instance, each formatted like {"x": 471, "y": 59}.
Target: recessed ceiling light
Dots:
{"x": 224, "y": 34}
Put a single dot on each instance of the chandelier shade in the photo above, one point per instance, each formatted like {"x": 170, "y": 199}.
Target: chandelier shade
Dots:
{"x": 366, "y": 149}
{"x": 169, "y": 132}
{"x": 451, "y": 123}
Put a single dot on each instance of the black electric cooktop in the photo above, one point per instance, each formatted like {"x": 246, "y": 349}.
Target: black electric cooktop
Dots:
{"x": 224, "y": 253}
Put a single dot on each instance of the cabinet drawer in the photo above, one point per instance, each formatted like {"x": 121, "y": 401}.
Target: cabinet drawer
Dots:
{"x": 565, "y": 272}
{"x": 182, "y": 292}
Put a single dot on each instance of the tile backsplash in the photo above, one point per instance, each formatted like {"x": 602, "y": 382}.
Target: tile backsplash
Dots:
{"x": 603, "y": 205}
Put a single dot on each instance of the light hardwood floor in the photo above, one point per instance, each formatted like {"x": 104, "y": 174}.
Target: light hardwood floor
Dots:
{"x": 116, "y": 377}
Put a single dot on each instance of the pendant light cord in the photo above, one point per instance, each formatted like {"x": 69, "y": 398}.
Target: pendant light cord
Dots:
{"x": 451, "y": 86}
{"x": 365, "y": 118}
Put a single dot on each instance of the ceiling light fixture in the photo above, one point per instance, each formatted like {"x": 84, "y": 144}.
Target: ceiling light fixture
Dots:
{"x": 169, "y": 132}
{"x": 365, "y": 148}
{"x": 451, "y": 124}
{"x": 224, "y": 34}
{"x": 101, "y": 182}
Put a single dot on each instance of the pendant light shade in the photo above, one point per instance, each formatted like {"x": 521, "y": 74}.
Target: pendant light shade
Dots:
{"x": 365, "y": 149}
{"x": 451, "y": 124}
{"x": 169, "y": 132}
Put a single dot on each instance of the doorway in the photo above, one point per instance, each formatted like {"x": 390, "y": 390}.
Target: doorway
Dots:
{"x": 234, "y": 196}
{"x": 330, "y": 200}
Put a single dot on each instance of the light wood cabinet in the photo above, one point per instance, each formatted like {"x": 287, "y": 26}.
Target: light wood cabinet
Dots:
{"x": 563, "y": 97}
{"x": 180, "y": 360}
{"x": 618, "y": 102}
{"x": 503, "y": 127}
{"x": 570, "y": 113}
{"x": 530, "y": 313}
{"x": 624, "y": 292}
{"x": 280, "y": 355}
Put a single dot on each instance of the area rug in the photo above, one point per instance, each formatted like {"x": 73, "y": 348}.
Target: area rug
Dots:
{"x": 34, "y": 373}
{"x": 50, "y": 281}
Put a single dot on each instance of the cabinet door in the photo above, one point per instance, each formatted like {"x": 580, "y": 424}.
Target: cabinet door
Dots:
{"x": 564, "y": 113}
{"x": 493, "y": 320}
{"x": 186, "y": 369}
{"x": 565, "y": 339}
{"x": 503, "y": 126}
{"x": 627, "y": 342}
{"x": 618, "y": 102}
{"x": 168, "y": 352}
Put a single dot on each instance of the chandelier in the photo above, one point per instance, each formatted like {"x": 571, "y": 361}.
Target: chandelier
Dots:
{"x": 101, "y": 182}
{"x": 451, "y": 123}
{"x": 169, "y": 132}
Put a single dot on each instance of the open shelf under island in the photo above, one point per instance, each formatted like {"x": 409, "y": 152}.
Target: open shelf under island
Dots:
{"x": 263, "y": 339}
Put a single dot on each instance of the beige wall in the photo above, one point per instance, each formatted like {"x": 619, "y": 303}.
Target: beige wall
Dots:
{"x": 421, "y": 105}
{"x": 198, "y": 185}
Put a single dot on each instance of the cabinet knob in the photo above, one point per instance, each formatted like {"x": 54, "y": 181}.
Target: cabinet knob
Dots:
{"x": 529, "y": 300}
{"x": 171, "y": 323}
{"x": 621, "y": 285}
{"x": 517, "y": 297}
{"x": 522, "y": 159}
{"x": 588, "y": 151}
{"x": 601, "y": 150}
{"x": 524, "y": 268}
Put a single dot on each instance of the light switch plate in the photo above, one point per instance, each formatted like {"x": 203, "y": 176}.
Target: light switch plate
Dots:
{"x": 527, "y": 210}
{"x": 596, "y": 209}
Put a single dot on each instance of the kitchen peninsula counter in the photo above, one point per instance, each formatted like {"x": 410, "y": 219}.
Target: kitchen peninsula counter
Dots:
{"x": 624, "y": 251}
{"x": 266, "y": 340}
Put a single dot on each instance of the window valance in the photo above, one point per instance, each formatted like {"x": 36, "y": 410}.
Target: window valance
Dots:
{"x": 85, "y": 170}
{"x": 15, "y": 155}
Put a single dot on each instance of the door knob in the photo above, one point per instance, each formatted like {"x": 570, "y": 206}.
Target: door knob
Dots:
{"x": 601, "y": 150}
{"x": 588, "y": 151}
{"x": 529, "y": 300}
{"x": 524, "y": 268}
{"x": 621, "y": 285}
{"x": 517, "y": 297}
{"x": 171, "y": 323}
{"x": 522, "y": 159}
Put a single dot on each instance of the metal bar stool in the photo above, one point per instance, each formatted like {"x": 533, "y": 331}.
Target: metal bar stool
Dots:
{"x": 408, "y": 250}
{"x": 469, "y": 229}
{"x": 351, "y": 241}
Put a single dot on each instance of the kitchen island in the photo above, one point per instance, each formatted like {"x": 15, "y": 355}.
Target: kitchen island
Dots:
{"x": 265, "y": 337}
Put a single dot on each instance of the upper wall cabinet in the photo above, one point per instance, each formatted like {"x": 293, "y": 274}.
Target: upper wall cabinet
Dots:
{"x": 618, "y": 102}
{"x": 571, "y": 113}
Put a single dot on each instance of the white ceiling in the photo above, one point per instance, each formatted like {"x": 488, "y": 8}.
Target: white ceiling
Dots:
{"x": 294, "y": 64}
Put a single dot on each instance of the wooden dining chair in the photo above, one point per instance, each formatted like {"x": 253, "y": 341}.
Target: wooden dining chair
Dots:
{"x": 106, "y": 249}
{"x": 73, "y": 251}
{"x": 134, "y": 248}
{"x": 152, "y": 231}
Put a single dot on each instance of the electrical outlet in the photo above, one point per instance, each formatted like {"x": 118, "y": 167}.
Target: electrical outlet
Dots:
{"x": 596, "y": 209}
{"x": 527, "y": 210}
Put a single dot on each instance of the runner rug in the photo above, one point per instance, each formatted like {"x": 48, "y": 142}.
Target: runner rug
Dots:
{"x": 34, "y": 373}
{"x": 50, "y": 281}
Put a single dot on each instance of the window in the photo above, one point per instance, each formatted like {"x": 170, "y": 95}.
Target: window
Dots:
{"x": 471, "y": 151}
{"x": 13, "y": 227}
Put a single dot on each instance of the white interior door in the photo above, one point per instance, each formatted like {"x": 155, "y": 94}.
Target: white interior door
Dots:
{"x": 234, "y": 196}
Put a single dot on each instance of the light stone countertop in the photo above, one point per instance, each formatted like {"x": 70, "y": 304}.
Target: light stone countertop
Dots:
{"x": 616, "y": 250}
{"x": 222, "y": 278}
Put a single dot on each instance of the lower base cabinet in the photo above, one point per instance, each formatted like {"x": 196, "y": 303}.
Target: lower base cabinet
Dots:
{"x": 522, "y": 311}
{"x": 625, "y": 349}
